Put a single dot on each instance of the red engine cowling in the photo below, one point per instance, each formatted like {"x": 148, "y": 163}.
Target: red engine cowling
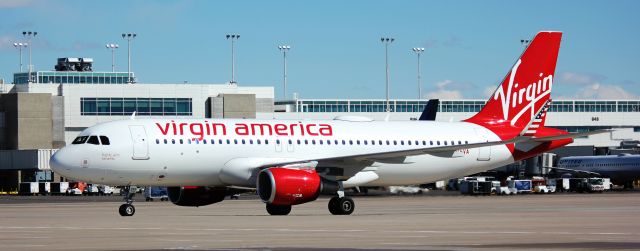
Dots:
{"x": 285, "y": 186}
{"x": 196, "y": 196}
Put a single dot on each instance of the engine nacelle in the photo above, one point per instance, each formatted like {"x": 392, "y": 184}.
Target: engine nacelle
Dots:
{"x": 196, "y": 196}
{"x": 285, "y": 186}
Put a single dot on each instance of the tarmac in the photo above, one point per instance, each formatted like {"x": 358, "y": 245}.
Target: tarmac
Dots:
{"x": 608, "y": 221}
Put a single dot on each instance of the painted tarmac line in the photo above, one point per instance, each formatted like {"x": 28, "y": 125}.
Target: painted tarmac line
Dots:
{"x": 316, "y": 230}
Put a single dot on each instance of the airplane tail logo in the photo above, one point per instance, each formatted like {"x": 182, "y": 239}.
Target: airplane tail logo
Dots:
{"x": 525, "y": 90}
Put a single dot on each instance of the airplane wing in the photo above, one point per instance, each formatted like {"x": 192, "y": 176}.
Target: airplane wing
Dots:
{"x": 346, "y": 166}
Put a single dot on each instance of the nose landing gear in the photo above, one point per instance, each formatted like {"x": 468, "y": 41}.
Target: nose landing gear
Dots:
{"x": 127, "y": 209}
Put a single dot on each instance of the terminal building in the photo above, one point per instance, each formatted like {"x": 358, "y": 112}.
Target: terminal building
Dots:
{"x": 46, "y": 110}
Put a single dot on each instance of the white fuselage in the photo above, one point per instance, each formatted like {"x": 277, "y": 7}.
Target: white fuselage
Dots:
{"x": 210, "y": 152}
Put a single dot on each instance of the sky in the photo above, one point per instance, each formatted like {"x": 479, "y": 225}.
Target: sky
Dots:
{"x": 335, "y": 45}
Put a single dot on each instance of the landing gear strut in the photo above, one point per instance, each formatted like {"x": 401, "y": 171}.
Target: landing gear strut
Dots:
{"x": 127, "y": 209}
{"x": 341, "y": 205}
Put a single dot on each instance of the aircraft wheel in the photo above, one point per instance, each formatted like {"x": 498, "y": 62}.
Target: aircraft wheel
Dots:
{"x": 278, "y": 209}
{"x": 341, "y": 206}
{"x": 127, "y": 210}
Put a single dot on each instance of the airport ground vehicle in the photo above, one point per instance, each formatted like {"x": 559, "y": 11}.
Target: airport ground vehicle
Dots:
{"x": 152, "y": 193}
{"x": 520, "y": 186}
{"x": 475, "y": 187}
{"x": 588, "y": 185}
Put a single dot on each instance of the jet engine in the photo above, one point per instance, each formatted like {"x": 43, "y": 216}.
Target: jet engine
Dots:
{"x": 196, "y": 196}
{"x": 286, "y": 186}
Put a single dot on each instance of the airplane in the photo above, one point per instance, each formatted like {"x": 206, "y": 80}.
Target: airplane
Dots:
{"x": 290, "y": 162}
{"x": 621, "y": 169}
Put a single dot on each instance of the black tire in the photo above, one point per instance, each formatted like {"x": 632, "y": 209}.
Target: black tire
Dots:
{"x": 278, "y": 209}
{"x": 333, "y": 207}
{"x": 127, "y": 210}
{"x": 341, "y": 206}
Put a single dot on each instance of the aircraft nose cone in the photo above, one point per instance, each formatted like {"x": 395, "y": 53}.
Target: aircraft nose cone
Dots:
{"x": 60, "y": 162}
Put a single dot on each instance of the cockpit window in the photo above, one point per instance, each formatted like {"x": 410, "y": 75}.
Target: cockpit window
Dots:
{"x": 104, "y": 140}
{"x": 93, "y": 140}
{"x": 80, "y": 140}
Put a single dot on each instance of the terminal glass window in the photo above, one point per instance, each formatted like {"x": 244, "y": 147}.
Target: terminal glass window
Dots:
{"x": 142, "y": 106}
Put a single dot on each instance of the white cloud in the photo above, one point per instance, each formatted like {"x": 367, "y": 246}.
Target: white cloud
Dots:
{"x": 580, "y": 78}
{"x": 604, "y": 91}
{"x": 444, "y": 91}
{"x": 488, "y": 91}
{"x": 591, "y": 86}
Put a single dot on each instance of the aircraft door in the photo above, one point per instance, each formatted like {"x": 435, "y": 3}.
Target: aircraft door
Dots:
{"x": 484, "y": 153}
{"x": 140, "y": 144}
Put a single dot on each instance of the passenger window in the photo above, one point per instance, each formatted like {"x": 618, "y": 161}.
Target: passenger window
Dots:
{"x": 431, "y": 142}
{"x": 438, "y": 142}
{"x": 306, "y": 142}
{"x": 344, "y": 142}
{"x": 277, "y": 141}
{"x": 243, "y": 141}
{"x": 251, "y": 141}
{"x": 266, "y": 141}
{"x": 258, "y": 141}
{"x": 459, "y": 142}
{"x": 365, "y": 142}
{"x": 313, "y": 141}
{"x": 358, "y": 142}
{"x": 165, "y": 141}
{"x": 328, "y": 142}
{"x": 94, "y": 140}
{"x": 445, "y": 142}
{"x": 235, "y": 141}
{"x": 213, "y": 141}
{"x": 105, "y": 140}
{"x": 379, "y": 142}
{"x": 335, "y": 142}
{"x": 290, "y": 142}
{"x": 350, "y": 142}
{"x": 395, "y": 142}
{"x": 402, "y": 142}
{"x": 424, "y": 143}
{"x": 173, "y": 141}
{"x": 320, "y": 141}
{"x": 408, "y": 142}
{"x": 189, "y": 141}
{"x": 181, "y": 141}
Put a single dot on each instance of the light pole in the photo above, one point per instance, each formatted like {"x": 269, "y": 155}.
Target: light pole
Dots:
{"x": 129, "y": 37}
{"x": 29, "y": 35}
{"x": 387, "y": 41}
{"x": 419, "y": 51}
{"x": 113, "y": 48}
{"x": 20, "y": 46}
{"x": 233, "y": 38}
{"x": 284, "y": 49}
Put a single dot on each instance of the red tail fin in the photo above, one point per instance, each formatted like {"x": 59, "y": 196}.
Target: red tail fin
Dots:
{"x": 525, "y": 90}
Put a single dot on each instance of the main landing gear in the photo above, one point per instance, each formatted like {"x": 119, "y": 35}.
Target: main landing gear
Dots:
{"x": 341, "y": 205}
{"x": 127, "y": 209}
